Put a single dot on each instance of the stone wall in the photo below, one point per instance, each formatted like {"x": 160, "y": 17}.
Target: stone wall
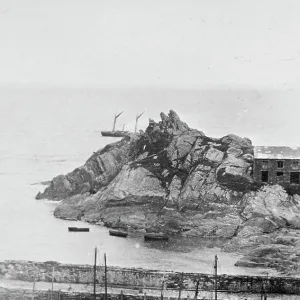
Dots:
{"x": 27, "y": 271}
{"x": 23, "y": 294}
{"x": 20, "y": 294}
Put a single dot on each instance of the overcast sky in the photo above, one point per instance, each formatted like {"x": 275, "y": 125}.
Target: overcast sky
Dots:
{"x": 226, "y": 66}
{"x": 151, "y": 43}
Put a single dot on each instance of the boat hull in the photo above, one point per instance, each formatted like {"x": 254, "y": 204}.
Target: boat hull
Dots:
{"x": 155, "y": 237}
{"x": 118, "y": 233}
{"x": 115, "y": 133}
{"x": 78, "y": 229}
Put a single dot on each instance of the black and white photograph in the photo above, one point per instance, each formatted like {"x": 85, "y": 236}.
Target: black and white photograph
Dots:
{"x": 149, "y": 150}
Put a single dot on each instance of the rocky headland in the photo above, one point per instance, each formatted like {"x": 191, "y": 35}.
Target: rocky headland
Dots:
{"x": 176, "y": 180}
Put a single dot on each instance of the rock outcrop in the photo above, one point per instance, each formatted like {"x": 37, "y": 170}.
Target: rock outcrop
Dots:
{"x": 177, "y": 180}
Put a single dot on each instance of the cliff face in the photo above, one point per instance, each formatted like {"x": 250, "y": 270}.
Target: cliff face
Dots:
{"x": 176, "y": 180}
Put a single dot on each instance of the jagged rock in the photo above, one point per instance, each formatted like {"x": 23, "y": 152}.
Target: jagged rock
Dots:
{"x": 248, "y": 140}
{"x": 274, "y": 203}
{"x": 214, "y": 155}
{"x": 265, "y": 225}
{"x": 196, "y": 154}
{"x": 125, "y": 217}
{"x": 130, "y": 189}
{"x": 98, "y": 171}
{"x": 164, "y": 119}
{"x": 176, "y": 123}
{"x": 232, "y": 151}
{"x": 214, "y": 223}
{"x": 142, "y": 156}
{"x": 174, "y": 189}
{"x": 248, "y": 231}
{"x": 249, "y": 158}
{"x": 235, "y": 141}
{"x": 264, "y": 255}
{"x": 132, "y": 184}
{"x": 193, "y": 185}
{"x": 71, "y": 208}
{"x": 179, "y": 148}
{"x": 59, "y": 188}
{"x": 169, "y": 221}
{"x": 233, "y": 173}
{"x": 267, "y": 237}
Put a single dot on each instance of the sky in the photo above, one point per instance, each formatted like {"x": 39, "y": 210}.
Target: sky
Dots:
{"x": 225, "y": 66}
{"x": 192, "y": 43}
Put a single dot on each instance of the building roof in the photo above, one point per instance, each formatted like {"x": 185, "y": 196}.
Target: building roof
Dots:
{"x": 276, "y": 152}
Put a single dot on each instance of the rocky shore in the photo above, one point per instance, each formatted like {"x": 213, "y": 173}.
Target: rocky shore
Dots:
{"x": 176, "y": 180}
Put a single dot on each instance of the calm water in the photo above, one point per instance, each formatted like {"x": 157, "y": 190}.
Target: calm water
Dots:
{"x": 40, "y": 140}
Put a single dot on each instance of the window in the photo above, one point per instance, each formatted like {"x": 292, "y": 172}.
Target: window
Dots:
{"x": 295, "y": 177}
{"x": 265, "y": 164}
{"x": 279, "y": 176}
{"x": 295, "y": 164}
{"x": 280, "y": 164}
{"x": 264, "y": 176}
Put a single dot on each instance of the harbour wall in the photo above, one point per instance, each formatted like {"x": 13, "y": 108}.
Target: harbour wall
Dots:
{"x": 142, "y": 278}
{"x": 21, "y": 294}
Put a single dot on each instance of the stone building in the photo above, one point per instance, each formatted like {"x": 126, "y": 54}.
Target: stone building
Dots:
{"x": 277, "y": 165}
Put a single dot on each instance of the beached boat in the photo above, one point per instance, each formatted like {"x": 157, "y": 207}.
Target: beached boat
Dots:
{"x": 119, "y": 233}
{"x": 79, "y": 229}
{"x": 155, "y": 237}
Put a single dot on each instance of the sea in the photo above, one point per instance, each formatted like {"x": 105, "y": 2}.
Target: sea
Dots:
{"x": 44, "y": 134}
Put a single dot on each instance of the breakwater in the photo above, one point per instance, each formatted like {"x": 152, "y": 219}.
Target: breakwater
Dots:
{"x": 149, "y": 279}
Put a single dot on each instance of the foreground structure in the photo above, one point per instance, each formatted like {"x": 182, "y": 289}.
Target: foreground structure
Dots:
{"x": 75, "y": 281}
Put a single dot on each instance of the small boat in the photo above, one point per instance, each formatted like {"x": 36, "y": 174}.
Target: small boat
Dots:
{"x": 79, "y": 229}
{"x": 155, "y": 237}
{"x": 119, "y": 233}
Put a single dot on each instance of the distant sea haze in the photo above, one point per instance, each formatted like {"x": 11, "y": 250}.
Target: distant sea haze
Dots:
{"x": 267, "y": 117}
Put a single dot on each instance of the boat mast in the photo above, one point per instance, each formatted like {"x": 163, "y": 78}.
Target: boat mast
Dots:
{"x": 95, "y": 261}
{"x": 136, "y": 121}
{"x": 115, "y": 120}
{"x": 216, "y": 277}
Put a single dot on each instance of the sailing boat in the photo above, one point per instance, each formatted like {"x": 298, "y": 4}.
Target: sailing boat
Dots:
{"x": 120, "y": 133}
{"x": 115, "y": 133}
